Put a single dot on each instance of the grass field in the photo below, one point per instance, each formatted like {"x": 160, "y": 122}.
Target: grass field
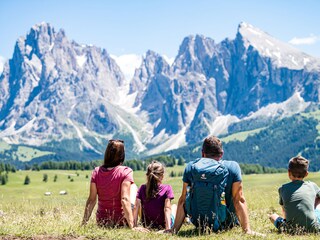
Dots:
{"x": 25, "y": 212}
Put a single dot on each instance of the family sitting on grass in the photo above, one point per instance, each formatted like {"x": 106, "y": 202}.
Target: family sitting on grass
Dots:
{"x": 212, "y": 195}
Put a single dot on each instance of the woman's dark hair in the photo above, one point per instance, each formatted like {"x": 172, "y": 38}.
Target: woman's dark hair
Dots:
{"x": 114, "y": 154}
{"x": 154, "y": 174}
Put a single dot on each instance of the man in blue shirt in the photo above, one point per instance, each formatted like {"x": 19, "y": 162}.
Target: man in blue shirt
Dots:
{"x": 236, "y": 203}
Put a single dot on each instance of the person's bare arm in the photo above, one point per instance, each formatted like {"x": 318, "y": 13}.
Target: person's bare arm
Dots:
{"x": 284, "y": 215}
{"x": 167, "y": 213}
{"x": 91, "y": 202}
{"x": 136, "y": 211}
{"x": 180, "y": 209}
{"x": 240, "y": 205}
{"x": 125, "y": 202}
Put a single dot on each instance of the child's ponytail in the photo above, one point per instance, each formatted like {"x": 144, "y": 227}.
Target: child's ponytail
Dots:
{"x": 155, "y": 173}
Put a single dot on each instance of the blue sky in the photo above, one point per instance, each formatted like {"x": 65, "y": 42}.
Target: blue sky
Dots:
{"x": 133, "y": 27}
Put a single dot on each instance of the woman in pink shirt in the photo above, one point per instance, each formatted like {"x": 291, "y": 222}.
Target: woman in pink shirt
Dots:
{"x": 111, "y": 182}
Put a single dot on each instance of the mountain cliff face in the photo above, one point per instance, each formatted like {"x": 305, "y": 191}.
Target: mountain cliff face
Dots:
{"x": 266, "y": 70}
{"x": 235, "y": 77}
{"x": 54, "y": 91}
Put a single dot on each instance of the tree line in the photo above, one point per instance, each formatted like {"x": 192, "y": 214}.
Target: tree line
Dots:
{"x": 258, "y": 169}
{"x": 135, "y": 165}
{"x": 7, "y": 167}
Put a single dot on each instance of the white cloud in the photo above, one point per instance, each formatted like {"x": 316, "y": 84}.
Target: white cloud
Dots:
{"x": 128, "y": 63}
{"x": 169, "y": 60}
{"x": 2, "y": 61}
{"x": 305, "y": 41}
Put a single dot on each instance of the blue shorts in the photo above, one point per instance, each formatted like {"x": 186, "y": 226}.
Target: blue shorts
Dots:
{"x": 172, "y": 220}
{"x": 279, "y": 222}
{"x": 317, "y": 212}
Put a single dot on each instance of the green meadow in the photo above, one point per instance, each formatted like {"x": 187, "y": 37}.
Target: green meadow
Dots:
{"x": 25, "y": 212}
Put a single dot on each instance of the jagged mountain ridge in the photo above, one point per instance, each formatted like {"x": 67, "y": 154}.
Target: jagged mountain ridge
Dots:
{"x": 235, "y": 77}
{"x": 54, "y": 89}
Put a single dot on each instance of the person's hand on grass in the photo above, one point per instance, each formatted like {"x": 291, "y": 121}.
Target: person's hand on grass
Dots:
{"x": 250, "y": 232}
{"x": 141, "y": 229}
{"x": 166, "y": 231}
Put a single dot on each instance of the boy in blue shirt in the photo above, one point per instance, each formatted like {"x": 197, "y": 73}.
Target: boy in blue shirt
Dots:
{"x": 299, "y": 200}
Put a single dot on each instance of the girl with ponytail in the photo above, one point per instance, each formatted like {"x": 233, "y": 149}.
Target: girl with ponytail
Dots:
{"x": 154, "y": 200}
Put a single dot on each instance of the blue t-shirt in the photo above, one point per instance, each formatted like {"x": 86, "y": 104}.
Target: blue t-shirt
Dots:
{"x": 234, "y": 176}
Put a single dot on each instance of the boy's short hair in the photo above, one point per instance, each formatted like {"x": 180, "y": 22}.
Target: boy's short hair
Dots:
{"x": 212, "y": 147}
{"x": 298, "y": 166}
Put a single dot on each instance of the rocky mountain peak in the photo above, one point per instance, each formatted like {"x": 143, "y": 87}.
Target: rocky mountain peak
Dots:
{"x": 155, "y": 62}
{"x": 281, "y": 53}
{"x": 42, "y": 28}
{"x": 195, "y": 45}
{"x": 194, "y": 54}
{"x": 57, "y": 86}
{"x": 55, "y": 91}
{"x": 40, "y": 39}
{"x": 152, "y": 64}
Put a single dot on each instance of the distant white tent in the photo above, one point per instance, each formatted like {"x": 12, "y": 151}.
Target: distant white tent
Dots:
{"x": 47, "y": 193}
{"x": 63, "y": 192}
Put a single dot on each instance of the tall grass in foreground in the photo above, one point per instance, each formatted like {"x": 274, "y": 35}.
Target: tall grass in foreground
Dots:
{"x": 25, "y": 212}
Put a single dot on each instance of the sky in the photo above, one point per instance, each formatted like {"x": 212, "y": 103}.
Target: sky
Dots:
{"x": 135, "y": 26}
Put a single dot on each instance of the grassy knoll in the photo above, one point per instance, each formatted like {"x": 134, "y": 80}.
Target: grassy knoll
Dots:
{"x": 241, "y": 136}
{"x": 4, "y": 146}
{"x": 22, "y": 153}
{"x": 26, "y": 154}
{"x": 28, "y": 213}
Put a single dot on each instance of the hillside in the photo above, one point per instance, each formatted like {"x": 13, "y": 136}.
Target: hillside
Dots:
{"x": 271, "y": 146}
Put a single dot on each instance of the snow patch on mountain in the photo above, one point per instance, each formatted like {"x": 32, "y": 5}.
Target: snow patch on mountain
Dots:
{"x": 81, "y": 138}
{"x": 13, "y": 136}
{"x": 81, "y": 60}
{"x": 139, "y": 145}
{"x": 294, "y": 104}
{"x": 221, "y": 123}
{"x": 172, "y": 142}
{"x": 2, "y": 62}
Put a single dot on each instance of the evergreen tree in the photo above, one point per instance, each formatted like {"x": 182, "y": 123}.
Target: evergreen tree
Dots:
{"x": 173, "y": 174}
{"x": 181, "y": 161}
{"x": 45, "y": 177}
{"x": 3, "y": 180}
{"x": 27, "y": 180}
